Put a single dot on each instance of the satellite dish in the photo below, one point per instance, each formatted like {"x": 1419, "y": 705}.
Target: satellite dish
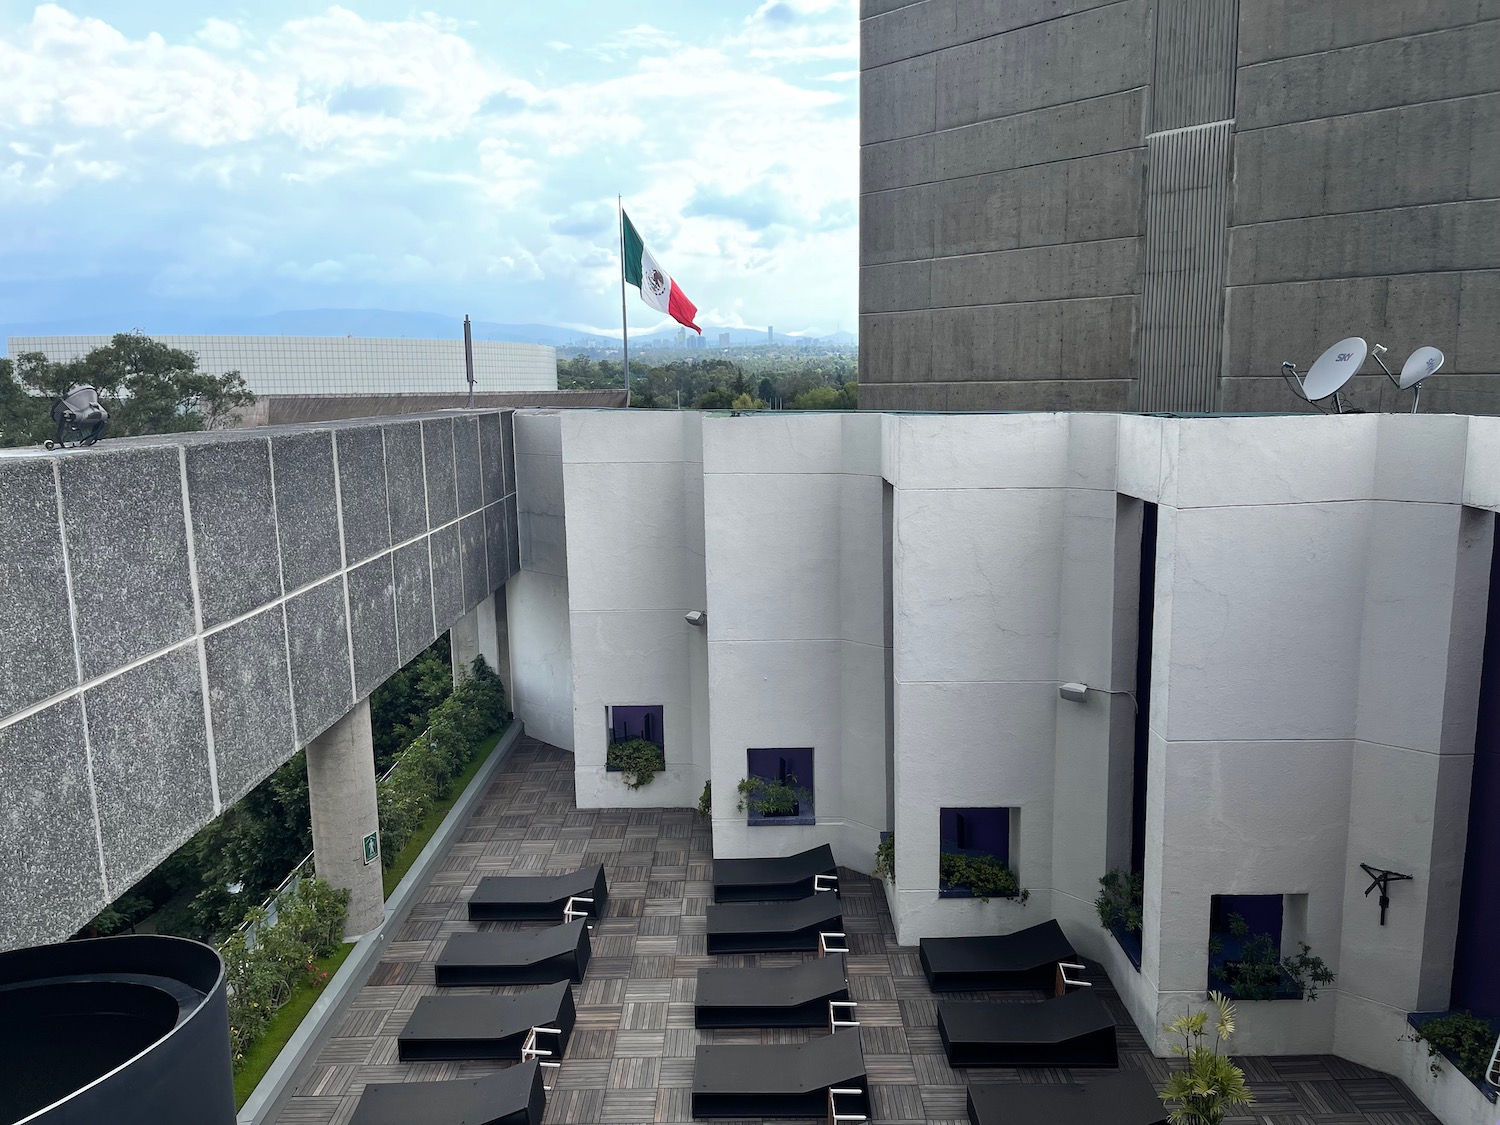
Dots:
{"x": 1420, "y": 364}
{"x": 1334, "y": 368}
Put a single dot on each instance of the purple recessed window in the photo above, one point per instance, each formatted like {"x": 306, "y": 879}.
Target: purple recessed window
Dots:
{"x": 975, "y": 832}
{"x": 1262, "y": 915}
{"x": 626, "y": 723}
{"x": 792, "y": 766}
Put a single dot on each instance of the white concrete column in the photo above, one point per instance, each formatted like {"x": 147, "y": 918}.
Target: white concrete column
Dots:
{"x": 341, "y": 792}
{"x": 476, "y": 633}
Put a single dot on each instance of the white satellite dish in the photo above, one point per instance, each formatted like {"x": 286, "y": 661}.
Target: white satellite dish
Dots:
{"x": 1330, "y": 371}
{"x": 1334, "y": 368}
{"x": 1420, "y": 364}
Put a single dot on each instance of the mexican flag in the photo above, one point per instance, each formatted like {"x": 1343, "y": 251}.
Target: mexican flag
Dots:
{"x": 657, "y": 289}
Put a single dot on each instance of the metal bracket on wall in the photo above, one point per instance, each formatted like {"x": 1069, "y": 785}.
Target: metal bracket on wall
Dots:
{"x": 1380, "y": 877}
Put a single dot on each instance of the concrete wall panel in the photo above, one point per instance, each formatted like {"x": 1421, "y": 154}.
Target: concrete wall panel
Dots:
{"x": 34, "y": 615}
{"x": 404, "y": 478}
{"x": 250, "y": 701}
{"x": 372, "y": 624}
{"x": 442, "y": 481}
{"x": 234, "y": 527}
{"x": 307, "y": 513}
{"x": 362, "y": 493}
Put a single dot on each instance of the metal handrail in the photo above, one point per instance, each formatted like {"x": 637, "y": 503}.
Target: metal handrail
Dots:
{"x": 1492, "y": 1072}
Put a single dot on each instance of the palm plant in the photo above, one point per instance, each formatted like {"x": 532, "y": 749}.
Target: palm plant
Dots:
{"x": 1211, "y": 1086}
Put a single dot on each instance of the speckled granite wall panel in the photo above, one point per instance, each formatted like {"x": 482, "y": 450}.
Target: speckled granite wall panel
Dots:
{"x": 234, "y": 527}
{"x": 49, "y": 854}
{"x": 319, "y": 643}
{"x": 447, "y": 578}
{"x": 491, "y": 457}
{"x": 413, "y": 600}
{"x": 250, "y": 700}
{"x": 127, "y": 544}
{"x": 306, "y": 508}
{"x": 475, "y": 566}
{"x": 372, "y": 608}
{"x": 404, "y": 480}
{"x": 442, "y": 486}
{"x": 495, "y": 551}
{"x": 512, "y": 535}
{"x": 150, "y": 751}
{"x": 36, "y": 637}
{"x": 508, "y": 450}
{"x": 367, "y": 525}
{"x": 467, "y": 465}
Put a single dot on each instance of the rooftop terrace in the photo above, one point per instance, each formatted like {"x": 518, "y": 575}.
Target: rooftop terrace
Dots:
{"x": 631, "y": 1056}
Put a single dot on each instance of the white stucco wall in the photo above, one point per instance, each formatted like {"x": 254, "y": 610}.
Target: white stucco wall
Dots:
{"x": 792, "y": 533}
{"x": 634, "y": 493}
{"x": 537, "y": 597}
{"x": 1318, "y": 630}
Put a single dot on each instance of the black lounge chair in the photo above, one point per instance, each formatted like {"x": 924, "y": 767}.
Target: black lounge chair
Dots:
{"x": 1127, "y": 1098}
{"x": 513, "y": 1096}
{"x": 792, "y": 997}
{"x": 538, "y": 957}
{"x": 773, "y": 927}
{"x": 775, "y": 879}
{"x": 1025, "y": 959}
{"x": 1071, "y": 1030}
{"x": 538, "y": 898}
{"x": 791, "y": 1080}
{"x": 487, "y": 1027}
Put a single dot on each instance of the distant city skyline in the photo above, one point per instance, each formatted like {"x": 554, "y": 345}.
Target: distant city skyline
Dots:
{"x": 171, "y": 169}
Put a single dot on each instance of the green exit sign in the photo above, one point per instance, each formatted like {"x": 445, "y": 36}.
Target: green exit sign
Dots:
{"x": 372, "y": 848}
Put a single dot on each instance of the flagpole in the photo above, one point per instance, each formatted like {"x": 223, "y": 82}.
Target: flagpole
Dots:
{"x": 624, "y": 327}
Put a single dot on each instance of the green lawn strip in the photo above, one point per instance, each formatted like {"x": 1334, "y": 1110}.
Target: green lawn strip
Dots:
{"x": 284, "y": 1023}
{"x": 408, "y": 855}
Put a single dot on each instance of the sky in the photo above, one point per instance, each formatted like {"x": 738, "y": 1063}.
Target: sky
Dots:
{"x": 163, "y": 160}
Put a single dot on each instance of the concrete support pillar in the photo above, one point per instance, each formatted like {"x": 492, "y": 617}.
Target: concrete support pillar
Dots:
{"x": 341, "y": 792}
{"x": 476, "y": 633}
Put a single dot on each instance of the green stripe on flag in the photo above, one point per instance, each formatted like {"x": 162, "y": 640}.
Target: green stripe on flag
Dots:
{"x": 633, "y": 248}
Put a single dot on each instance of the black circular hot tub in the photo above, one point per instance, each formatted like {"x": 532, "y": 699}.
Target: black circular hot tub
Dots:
{"x": 126, "y": 1030}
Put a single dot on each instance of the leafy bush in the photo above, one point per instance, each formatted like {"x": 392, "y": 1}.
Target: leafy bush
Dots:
{"x": 885, "y": 857}
{"x": 401, "y": 707}
{"x": 1211, "y": 1086}
{"x": 1120, "y": 900}
{"x": 770, "y": 797}
{"x": 706, "y": 800}
{"x": 639, "y": 759}
{"x": 985, "y": 875}
{"x": 1464, "y": 1037}
{"x": 1261, "y": 971}
{"x": 424, "y": 774}
{"x": 263, "y": 964}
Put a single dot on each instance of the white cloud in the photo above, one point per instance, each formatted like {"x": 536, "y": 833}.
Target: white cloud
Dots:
{"x": 372, "y": 161}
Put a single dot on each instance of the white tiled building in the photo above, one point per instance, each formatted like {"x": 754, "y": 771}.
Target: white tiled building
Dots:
{"x": 342, "y": 365}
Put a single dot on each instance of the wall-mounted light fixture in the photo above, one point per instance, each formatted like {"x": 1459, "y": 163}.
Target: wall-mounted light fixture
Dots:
{"x": 1380, "y": 877}
{"x": 697, "y": 617}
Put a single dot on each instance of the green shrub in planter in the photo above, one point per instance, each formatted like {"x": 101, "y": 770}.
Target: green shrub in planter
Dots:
{"x": 985, "y": 876}
{"x": 1211, "y": 1087}
{"x": 706, "y": 800}
{"x": 770, "y": 797}
{"x": 1119, "y": 904}
{"x": 1465, "y": 1038}
{"x": 1261, "y": 972}
{"x": 638, "y": 759}
{"x": 885, "y": 858}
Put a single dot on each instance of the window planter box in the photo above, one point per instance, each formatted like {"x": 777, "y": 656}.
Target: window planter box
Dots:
{"x": 1417, "y": 1019}
{"x": 1129, "y": 942}
{"x": 802, "y": 813}
{"x": 1218, "y": 980}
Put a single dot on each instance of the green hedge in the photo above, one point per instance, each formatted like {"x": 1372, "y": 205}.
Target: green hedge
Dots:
{"x": 457, "y": 729}
{"x": 264, "y": 964}
{"x": 639, "y": 759}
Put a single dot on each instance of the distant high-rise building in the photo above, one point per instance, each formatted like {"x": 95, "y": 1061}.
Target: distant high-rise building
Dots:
{"x": 770, "y": 334}
{"x": 723, "y": 339}
{"x": 682, "y": 337}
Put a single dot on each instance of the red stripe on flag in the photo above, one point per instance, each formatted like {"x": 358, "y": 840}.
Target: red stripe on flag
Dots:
{"x": 680, "y": 309}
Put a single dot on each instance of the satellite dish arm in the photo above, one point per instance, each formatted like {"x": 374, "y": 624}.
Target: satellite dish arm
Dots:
{"x": 1377, "y": 351}
{"x": 1290, "y": 374}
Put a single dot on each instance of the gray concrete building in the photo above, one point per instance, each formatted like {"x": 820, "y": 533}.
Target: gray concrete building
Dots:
{"x": 1138, "y": 205}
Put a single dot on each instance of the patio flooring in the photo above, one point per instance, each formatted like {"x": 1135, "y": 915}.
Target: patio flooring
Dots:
{"x": 631, "y": 1056}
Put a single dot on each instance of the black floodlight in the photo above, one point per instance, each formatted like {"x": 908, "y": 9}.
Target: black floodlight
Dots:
{"x": 1380, "y": 877}
{"x": 79, "y": 417}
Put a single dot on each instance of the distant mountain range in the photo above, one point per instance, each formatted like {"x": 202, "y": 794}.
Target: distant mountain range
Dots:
{"x": 390, "y": 323}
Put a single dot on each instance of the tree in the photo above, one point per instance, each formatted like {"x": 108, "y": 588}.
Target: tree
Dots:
{"x": 147, "y": 387}
{"x": 747, "y": 401}
{"x": 720, "y": 398}
{"x": 1211, "y": 1086}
